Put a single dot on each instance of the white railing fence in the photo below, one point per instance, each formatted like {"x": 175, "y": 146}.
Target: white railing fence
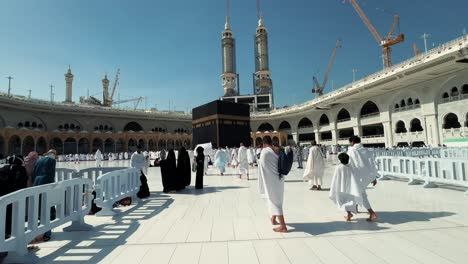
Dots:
{"x": 63, "y": 174}
{"x": 454, "y": 153}
{"x": 407, "y": 152}
{"x": 94, "y": 172}
{"x": 429, "y": 170}
{"x": 31, "y": 211}
{"x": 114, "y": 186}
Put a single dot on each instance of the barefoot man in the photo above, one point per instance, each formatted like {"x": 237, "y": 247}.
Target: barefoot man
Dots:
{"x": 314, "y": 167}
{"x": 271, "y": 184}
{"x": 365, "y": 170}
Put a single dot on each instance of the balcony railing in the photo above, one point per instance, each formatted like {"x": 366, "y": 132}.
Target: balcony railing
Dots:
{"x": 343, "y": 120}
{"x": 374, "y": 136}
{"x": 406, "y": 108}
{"x": 370, "y": 115}
{"x": 454, "y": 98}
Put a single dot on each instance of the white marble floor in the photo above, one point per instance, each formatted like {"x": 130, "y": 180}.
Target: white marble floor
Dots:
{"x": 227, "y": 222}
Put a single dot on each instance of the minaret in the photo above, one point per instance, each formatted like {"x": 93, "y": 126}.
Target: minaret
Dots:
{"x": 229, "y": 59}
{"x": 105, "y": 90}
{"x": 263, "y": 83}
{"x": 68, "y": 86}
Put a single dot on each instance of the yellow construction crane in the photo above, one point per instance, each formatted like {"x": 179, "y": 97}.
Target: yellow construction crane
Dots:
{"x": 318, "y": 89}
{"x": 108, "y": 101}
{"x": 389, "y": 40}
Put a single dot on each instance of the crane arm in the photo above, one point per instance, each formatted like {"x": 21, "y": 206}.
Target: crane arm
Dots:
{"x": 127, "y": 100}
{"x": 116, "y": 81}
{"x": 330, "y": 64}
{"x": 392, "y": 29}
{"x": 365, "y": 20}
{"x": 317, "y": 85}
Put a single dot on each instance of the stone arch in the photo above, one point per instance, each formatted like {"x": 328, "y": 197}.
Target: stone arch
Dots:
{"x": 324, "y": 121}
{"x": 119, "y": 145}
{"x": 400, "y": 127}
{"x": 69, "y": 146}
{"x": 402, "y": 103}
{"x": 41, "y": 146}
{"x": 14, "y": 145}
{"x": 284, "y": 126}
{"x": 343, "y": 115}
{"x": 151, "y": 145}
{"x": 464, "y": 89}
{"x": 415, "y": 125}
{"x": 2, "y": 123}
{"x": 417, "y": 102}
{"x": 141, "y": 143}
{"x": 370, "y": 108}
{"x": 2, "y": 146}
{"x": 28, "y": 145}
{"x": 133, "y": 126}
{"x": 83, "y": 146}
{"x": 397, "y": 106}
{"x": 305, "y": 123}
{"x": 409, "y": 101}
{"x": 445, "y": 95}
{"x": 265, "y": 127}
{"x": 454, "y": 91}
{"x": 109, "y": 145}
{"x": 97, "y": 144}
{"x": 132, "y": 145}
{"x": 451, "y": 121}
{"x": 161, "y": 144}
{"x": 57, "y": 144}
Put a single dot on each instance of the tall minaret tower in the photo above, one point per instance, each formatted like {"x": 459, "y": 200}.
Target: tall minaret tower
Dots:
{"x": 228, "y": 43}
{"x": 69, "y": 86}
{"x": 263, "y": 83}
{"x": 105, "y": 90}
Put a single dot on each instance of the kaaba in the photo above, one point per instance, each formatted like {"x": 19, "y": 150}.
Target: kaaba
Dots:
{"x": 221, "y": 123}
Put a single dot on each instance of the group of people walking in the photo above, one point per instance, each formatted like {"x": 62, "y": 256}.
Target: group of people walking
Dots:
{"x": 355, "y": 172}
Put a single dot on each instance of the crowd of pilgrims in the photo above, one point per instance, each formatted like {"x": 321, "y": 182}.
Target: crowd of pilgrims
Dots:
{"x": 355, "y": 171}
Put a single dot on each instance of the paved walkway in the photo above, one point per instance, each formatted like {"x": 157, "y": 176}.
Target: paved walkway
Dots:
{"x": 228, "y": 222}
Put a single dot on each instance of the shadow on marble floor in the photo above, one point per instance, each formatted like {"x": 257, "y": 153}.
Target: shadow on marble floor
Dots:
{"x": 360, "y": 224}
{"x": 93, "y": 246}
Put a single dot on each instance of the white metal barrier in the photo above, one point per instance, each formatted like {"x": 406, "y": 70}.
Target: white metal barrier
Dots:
{"x": 71, "y": 199}
{"x": 94, "y": 172}
{"x": 114, "y": 186}
{"x": 429, "y": 170}
{"x": 63, "y": 174}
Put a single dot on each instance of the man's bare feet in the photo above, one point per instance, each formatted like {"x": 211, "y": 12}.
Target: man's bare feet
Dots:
{"x": 281, "y": 229}
{"x": 314, "y": 187}
{"x": 372, "y": 217}
{"x": 319, "y": 188}
{"x": 248, "y": 177}
{"x": 273, "y": 220}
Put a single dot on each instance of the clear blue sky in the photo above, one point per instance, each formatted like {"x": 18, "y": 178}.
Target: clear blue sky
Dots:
{"x": 169, "y": 50}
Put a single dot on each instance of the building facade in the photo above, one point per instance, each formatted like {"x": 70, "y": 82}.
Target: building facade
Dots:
{"x": 423, "y": 100}
{"x": 27, "y": 125}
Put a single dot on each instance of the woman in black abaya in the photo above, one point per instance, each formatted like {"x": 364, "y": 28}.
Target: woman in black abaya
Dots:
{"x": 200, "y": 160}
{"x": 169, "y": 172}
{"x": 184, "y": 173}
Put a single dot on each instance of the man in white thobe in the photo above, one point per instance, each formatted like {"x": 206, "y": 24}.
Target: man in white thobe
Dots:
{"x": 365, "y": 170}
{"x": 221, "y": 161}
{"x": 138, "y": 160}
{"x": 271, "y": 184}
{"x": 243, "y": 161}
{"x": 234, "y": 158}
{"x": 98, "y": 158}
{"x": 345, "y": 188}
{"x": 314, "y": 167}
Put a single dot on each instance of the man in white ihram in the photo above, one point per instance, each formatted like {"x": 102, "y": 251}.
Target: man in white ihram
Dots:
{"x": 365, "y": 171}
{"x": 314, "y": 167}
{"x": 98, "y": 158}
{"x": 271, "y": 184}
{"x": 243, "y": 161}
